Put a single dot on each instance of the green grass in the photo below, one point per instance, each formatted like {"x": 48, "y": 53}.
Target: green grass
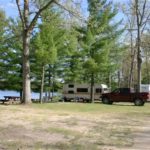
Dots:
{"x": 95, "y": 108}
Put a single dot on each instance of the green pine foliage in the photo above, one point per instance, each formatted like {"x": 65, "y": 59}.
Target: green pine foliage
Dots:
{"x": 84, "y": 53}
{"x": 11, "y": 53}
{"x": 99, "y": 38}
{"x": 71, "y": 68}
{"x": 46, "y": 47}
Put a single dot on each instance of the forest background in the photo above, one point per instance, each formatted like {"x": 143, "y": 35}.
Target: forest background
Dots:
{"x": 75, "y": 41}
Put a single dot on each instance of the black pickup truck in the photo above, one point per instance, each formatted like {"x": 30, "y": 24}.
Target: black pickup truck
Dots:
{"x": 125, "y": 95}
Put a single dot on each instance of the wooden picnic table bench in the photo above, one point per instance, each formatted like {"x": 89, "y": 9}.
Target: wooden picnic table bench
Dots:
{"x": 10, "y": 98}
{"x": 3, "y": 100}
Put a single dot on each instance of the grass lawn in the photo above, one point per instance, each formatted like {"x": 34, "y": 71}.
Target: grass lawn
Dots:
{"x": 74, "y": 126}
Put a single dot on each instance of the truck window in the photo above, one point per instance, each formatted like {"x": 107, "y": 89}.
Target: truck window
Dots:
{"x": 116, "y": 91}
{"x": 125, "y": 90}
{"x": 71, "y": 86}
{"x": 71, "y": 92}
{"x": 82, "y": 90}
{"x": 98, "y": 90}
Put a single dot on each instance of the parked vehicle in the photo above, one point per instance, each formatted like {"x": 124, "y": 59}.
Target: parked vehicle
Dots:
{"x": 81, "y": 92}
{"x": 125, "y": 95}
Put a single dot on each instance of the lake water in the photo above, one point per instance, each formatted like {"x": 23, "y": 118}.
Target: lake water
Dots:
{"x": 14, "y": 93}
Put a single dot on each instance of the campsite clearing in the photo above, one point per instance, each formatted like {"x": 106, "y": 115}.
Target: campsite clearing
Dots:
{"x": 75, "y": 126}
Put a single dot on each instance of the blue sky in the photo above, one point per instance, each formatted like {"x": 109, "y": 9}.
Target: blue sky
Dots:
{"x": 11, "y": 10}
{"x": 10, "y": 7}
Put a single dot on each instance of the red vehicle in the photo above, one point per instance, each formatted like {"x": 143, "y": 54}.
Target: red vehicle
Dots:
{"x": 125, "y": 95}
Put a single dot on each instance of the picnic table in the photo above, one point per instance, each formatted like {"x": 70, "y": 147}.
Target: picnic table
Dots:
{"x": 10, "y": 98}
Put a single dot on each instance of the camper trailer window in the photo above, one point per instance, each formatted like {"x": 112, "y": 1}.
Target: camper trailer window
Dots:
{"x": 82, "y": 90}
{"x": 70, "y": 92}
{"x": 71, "y": 86}
{"x": 98, "y": 90}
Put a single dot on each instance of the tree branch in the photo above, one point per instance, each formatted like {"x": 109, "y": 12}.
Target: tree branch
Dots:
{"x": 145, "y": 23}
{"x": 33, "y": 22}
{"x": 71, "y": 12}
{"x": 143, "y": 12}
{"x": 20, "y": 14}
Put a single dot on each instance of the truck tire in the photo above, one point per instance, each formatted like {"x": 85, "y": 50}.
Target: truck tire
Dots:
{"x": 138, "y": 102}
{"x": 66, "y": 99}
{"x": 106, "y": 100}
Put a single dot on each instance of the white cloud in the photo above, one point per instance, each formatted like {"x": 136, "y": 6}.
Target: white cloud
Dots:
{"x": 12, "y": 5}
{"x": 2, "y": 6}
{"x": 8, "y": 5}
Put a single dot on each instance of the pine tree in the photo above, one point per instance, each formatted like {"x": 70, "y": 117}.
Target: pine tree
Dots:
{"x": 47, "y": 43}
{"x": 99, "y": 36}
{"x": 11, "y": 54}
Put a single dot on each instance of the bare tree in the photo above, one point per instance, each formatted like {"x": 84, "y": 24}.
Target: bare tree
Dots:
{"x": 142, "y": 16}
{"x": 130, "y": 36}
{"x": 138, "y": 15}
{"x": 131, "y": 24}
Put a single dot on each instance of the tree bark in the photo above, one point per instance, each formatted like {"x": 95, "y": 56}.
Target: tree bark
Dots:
{"x": 49, "y": 82}
{"x": 110, "y": 80}
{"x": 139, "y": 59}
{"x": 132, "y": 60}
{"x": 147, "y": 69}
{"x": 119, "y": 80}
{"x": 53, "y": 81}
{"x": 21, "y": 89}
{"x": 26, "y": 68}
{"x": 27, "y": 27}
{"x": 92, "y": 88}
{"x": 42, "y": 84}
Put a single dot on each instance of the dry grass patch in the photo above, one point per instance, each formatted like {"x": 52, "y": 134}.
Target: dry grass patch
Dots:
{"x": 38, "y": 128}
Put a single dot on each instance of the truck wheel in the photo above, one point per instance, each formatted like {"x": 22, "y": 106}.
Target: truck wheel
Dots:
{"x": 66, "y": 100}
{"x": 106, "y": 100}
{"x": 138, "y": 102}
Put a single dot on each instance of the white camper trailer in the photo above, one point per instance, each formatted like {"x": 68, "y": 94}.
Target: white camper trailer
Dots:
{"x": 81, "y": 92}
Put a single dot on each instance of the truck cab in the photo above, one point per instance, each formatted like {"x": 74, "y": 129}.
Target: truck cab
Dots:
{"x": 121, "y": 94}
{"x": 125, "y": 95}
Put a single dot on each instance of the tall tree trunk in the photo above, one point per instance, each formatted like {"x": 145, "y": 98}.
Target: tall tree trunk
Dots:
{"x": 20, "y": 94}
{"x": 92, "y": 88}
{"x": 147, "y": 69}
{"x": 42, "y": 84}
{"x": 26, "y": 63}
{"x": 26, "y": 68}
{"x": 53, "y": 80}
{"x": 119, "y": 80}
{"x": 110, "y": 80}
{"x": 21, "y": 89}
{"x": 139, "y": 64}
{"x": 27, "y": 27}
{"x": 132, "y": 61}
{"x": 49, "y": 82}
{"x": 139, "y": 59}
